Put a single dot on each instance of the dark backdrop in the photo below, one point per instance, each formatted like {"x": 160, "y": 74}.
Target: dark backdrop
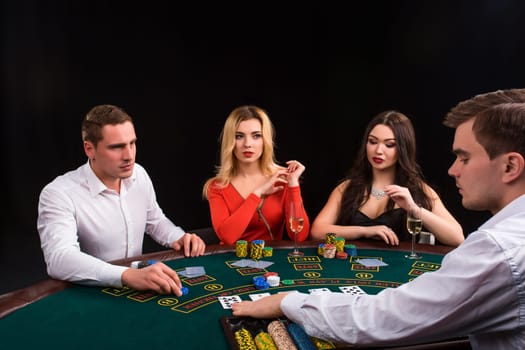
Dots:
{"x": 321, "y": 72}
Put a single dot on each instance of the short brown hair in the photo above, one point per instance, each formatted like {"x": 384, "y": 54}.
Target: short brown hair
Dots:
{"x": 500, "y": 120}
{"x": 98, "y": 117}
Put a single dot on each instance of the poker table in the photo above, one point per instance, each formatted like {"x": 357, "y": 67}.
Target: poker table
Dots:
{"x": 59, "y": 315}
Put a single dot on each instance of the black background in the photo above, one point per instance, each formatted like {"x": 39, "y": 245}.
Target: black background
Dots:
{"x": 320, "y": 70}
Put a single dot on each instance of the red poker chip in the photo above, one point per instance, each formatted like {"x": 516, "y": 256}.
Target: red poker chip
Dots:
{"x": 270, "y": 274}
{"x": 341, "y": 255}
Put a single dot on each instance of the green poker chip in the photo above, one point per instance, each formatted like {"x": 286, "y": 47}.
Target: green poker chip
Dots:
{"x": 287, "y": 282}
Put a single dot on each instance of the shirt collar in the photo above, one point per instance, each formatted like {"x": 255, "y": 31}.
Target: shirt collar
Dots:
{"x": 96, "y": 186}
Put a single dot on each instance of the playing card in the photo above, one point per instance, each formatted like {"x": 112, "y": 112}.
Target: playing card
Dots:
{"x": 371, "y": 262}
{"x": 354, "y": 290}
{"x": 241, "y": 263}
{"x": 228, "y": 301}
{"x": 258, "y": 296}
{"x": 260, "y": 264}
{"x": 193, "y": 271}
{"x": 319, "y": 290}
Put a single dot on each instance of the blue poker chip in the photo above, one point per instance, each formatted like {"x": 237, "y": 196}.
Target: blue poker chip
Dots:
{"x": 184, "y": 290}
{"x": 263, "y": 285}
{"x": 300, "y": 338}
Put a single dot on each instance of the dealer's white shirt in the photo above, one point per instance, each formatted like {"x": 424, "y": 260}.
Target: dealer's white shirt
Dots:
{"x": 478, "y": 291}
{"x": 82, "y": 224}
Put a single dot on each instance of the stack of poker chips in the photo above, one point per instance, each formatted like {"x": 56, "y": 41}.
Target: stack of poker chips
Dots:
{"x": 244, "y": 340}
{"x": 241, "y": 248}
{"x": 330, "y": 238}
{"x": 280, "y": 335}
{"x": 322, "y": 344}
{"x": 272, "y": 278}
{"x": 320, "y": 249}
{"x": 351, "y": 250}
{"x": 256, "y": 250}
{"x": 259, "y": 282}
{"x": 267, "y": 251}
{"x": 299, "y": 337}
{"x": 339, "y": 244}
{"x": 329, "y": 251}
{"x": 264, "y": 341}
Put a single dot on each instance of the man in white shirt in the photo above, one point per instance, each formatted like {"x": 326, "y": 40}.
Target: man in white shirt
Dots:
{"x": 479, "y": 290}
{"x": 100, "y": 212}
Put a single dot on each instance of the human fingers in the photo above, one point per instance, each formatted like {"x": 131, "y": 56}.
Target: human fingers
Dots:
{"x": 293, "y": 165}
{"x": 386, "y": 234}
{"x": 169, "y": 281}
{"x": 392, "y": 237}
{"x": 267, "y": 307}
{"x": 162, "y": 279}
{"x": 241, "y": 308}
{"x": 197, "y": 245}
{"x": 172, "y": 276}
{"x": 185, "y": 243}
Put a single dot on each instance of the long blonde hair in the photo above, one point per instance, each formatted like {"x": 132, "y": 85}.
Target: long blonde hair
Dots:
{"x": 228, "y": 168}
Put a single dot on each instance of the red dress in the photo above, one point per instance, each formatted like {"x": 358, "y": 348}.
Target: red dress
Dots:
{"x": 234, "y": 217}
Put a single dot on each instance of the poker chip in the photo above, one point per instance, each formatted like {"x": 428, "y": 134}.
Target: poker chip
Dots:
{"x": 270, "y": 273}
{"x": 280, "y": 335}
{"x": 322, "y": 344}
{"x": 351, "y": 249}
{"x": 244, "y": 340}
{"x": 264, "y": 341}
{"x": 267, "y": 252}
{"x": 259, "y": 282}
{"x": 330, "y": 238}
{"x": 341, "y": 255}
{"x": 287, "y": 282}
{"x": 241, "y": 248}
{"x": 261, "y": 285}
{"x": 184, "y": 290}
{"x": 256, "y": 250}
{"x": 299, "y": 337}
{"x": 339, "y": 244}
{"x": 258, "y": 279}
{"x": 329, "y": 251}
{"x": 273, "y": 281}
{"x": 320, "y": 249}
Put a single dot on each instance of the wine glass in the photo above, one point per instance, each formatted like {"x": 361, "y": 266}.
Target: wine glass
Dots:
{"x": 296, "y": 223}
{"x": 414, "y": 226}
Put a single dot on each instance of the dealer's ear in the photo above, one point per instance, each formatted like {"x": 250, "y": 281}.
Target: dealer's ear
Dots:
{"x": 514, "y": 164}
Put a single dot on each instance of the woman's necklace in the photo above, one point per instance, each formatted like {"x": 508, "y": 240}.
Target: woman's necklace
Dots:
{"x": 378, "y": 194}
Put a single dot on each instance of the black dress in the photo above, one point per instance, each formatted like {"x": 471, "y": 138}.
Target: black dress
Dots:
{"x": 395, "y": 219}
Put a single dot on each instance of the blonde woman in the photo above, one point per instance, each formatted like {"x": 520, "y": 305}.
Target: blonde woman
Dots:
{"x": 250, "y": 195}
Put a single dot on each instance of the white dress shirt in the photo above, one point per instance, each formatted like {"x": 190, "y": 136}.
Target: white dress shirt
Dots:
{"x": 83, "y": 224}
{"x": 478, "y": 291}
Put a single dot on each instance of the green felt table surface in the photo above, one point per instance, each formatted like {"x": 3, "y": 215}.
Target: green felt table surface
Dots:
{"x": 107, "y": 318}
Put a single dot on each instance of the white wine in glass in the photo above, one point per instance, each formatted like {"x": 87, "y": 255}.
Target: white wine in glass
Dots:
{"x": 414, "y": 227}
{"x": 296, "y": 223}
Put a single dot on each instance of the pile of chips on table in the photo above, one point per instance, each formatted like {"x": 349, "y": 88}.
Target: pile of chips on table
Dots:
{"x": 257, "y": 250}
{"x": 335, "y": 247}
{"x": 270, "y": 279}
{"x": 280, "y": 335}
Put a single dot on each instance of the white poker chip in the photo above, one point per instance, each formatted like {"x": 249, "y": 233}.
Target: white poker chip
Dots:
{"x": 273, "y": 281}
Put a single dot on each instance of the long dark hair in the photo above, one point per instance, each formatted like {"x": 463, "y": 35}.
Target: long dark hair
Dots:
{"x": 408, "y": 172}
